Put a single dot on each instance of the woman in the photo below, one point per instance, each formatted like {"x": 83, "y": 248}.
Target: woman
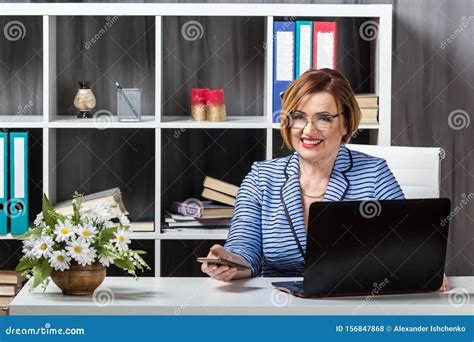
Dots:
{"x": 268, "y": 229}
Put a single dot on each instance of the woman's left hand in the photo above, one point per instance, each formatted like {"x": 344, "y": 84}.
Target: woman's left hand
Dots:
{"x": 445, "y": 286}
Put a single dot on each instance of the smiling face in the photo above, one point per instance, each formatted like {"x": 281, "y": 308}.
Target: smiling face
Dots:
{"x": 313, "y": 145}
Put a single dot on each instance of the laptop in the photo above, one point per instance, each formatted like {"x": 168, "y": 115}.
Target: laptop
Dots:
{"x": 373, "y": 247}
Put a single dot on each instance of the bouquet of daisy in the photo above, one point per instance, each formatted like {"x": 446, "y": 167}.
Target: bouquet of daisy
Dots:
{"x": 56, "y": 241}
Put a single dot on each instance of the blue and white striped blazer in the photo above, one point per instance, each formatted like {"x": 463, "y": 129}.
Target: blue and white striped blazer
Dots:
{"x": 260, "y": 231}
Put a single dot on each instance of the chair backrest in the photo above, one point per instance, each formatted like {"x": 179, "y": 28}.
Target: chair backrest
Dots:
{"x": 417, "y": 169}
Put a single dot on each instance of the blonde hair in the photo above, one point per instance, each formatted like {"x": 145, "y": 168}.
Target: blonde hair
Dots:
{"x": 314, "y": 81}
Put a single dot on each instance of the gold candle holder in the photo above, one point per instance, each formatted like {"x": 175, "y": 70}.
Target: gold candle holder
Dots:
{"x": 216, "y": 110}
{"x": 199, "y": 104}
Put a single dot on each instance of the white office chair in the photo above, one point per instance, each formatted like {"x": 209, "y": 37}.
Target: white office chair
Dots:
{"x": 417, "y": 169}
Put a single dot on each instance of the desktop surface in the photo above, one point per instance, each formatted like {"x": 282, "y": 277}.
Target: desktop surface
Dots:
{"x": 206, "y": 296}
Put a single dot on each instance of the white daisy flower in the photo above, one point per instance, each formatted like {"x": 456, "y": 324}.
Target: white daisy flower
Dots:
{"x": 43, "y": 247}
{"x": 90, "y": 256}
{"x": 79, "y": 250}
{"x": 124, "y": 221}
{"x": 64, "y": 230}
{"x": 39, "y": 219}
{"x": 122, "y": 239}
{"x": 86, "y": 232}
{"x": 108, "y": 224}
{"x": 106, "y": 260}
{"x": 101, "y": 210}
{"x": 60, "y": 260}
{"x": 28, "y": 247}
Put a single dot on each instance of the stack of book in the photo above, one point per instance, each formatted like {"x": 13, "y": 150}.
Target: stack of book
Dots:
{"x": 113, "y": 197}
{"x": 369, "y": 107}
{"x": 10, "y": 284}
{"x": 205, "y": 213}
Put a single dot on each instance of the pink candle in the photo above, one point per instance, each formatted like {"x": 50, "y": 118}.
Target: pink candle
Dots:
{"x": 199, "y": 95}
{"x": 199, "y": 104}
{"x": 215, "y": 97}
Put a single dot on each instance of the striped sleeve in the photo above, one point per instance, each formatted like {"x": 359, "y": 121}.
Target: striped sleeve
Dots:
{"x": 386, "y": 185}
{"x": 245, "y": 234}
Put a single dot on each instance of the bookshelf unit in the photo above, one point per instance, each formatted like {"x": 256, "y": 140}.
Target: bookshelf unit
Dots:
{"x": 52, "y": 120}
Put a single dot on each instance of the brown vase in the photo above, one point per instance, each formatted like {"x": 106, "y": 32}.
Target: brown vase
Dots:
{"x": 79, "y": 280}
{"x": 84, "y": 100}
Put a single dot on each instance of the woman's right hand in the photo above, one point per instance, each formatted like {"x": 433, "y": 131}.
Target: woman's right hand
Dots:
{"x": 224, "y": 273}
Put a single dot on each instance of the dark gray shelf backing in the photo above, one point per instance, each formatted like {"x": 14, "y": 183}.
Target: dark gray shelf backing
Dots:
{"x": 125, "y": 52}
{"x": 178, "y": 257}
{"x": 229, "y": 55}
{"x": 91, "y": 160}
{"x": 355, "y": 55}
{"x": 21, "y": 66}
{"x": 279, "y": 148}
{"x": 10, "y": 253}
{"x": 35, "y": 171}
{"x": 196, "y": 153}
{"x": 145, "y": 245}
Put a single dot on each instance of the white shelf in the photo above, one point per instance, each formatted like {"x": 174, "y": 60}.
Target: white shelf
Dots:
{"x": 50, "y": 121}
{"x": 145, "y": 235}
{"x": 21, "y": 121}
{"x": 105, "y": 122}
{"x": 185, "y": 9}
{"x": 194, "y": 234}
{"x": 231, "y": 122}
{"x": 8, "y": 237}
{"x": 369, "y": 126}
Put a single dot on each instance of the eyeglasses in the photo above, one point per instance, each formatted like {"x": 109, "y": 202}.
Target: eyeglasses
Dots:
{"x": 322, "y": 121}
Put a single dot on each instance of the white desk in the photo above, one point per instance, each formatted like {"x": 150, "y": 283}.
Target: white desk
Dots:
{"x": 205, "y": 296}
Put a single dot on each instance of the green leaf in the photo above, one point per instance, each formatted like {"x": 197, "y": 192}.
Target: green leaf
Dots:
{"x": 26, "y": 264}
{"x": 41, "y": 272}
{"x": 107, "y": 234}
{"x": 107, "y": 252}
{"x": 31, "y": 231}
{"x": 76, "y": 206}
{"x": 139, "y": 252}
{"x": 124, "y": 264}
{"x": 47, "y": 209}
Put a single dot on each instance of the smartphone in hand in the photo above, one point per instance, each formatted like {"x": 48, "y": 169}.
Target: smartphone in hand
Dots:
{"x": 223, "y": 262}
